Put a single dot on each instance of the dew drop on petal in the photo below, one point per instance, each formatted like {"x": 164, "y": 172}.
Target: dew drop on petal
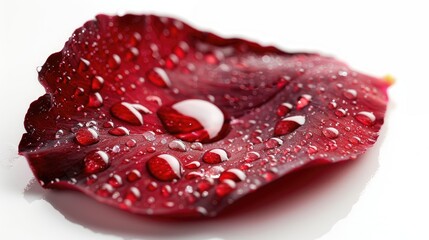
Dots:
{"x": 330, "y": 132}
{"x": 87, "y": 136}
{"x": 303, "y": 101}
{"x": 119, "y": 131}
{"x": 288, "y": 125}
{"x": 159, "y": 77}
{"x": 366, "y": 118}
{"x": 96, "y": 161}
{"x": 165, "y": 167}
{"x": 233, "y": 174}
{"x": 193, "y": 120}
{"x": 215, "y": 156}
{"x": 283, "y": 109}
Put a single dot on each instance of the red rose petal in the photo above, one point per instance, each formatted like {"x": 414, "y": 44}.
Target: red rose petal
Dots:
{"x": 150, "y": 115}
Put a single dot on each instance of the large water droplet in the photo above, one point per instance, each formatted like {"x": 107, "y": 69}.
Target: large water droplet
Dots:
{"x": 87, "y": 136}
{"x": 366, "y": 118}
{"x": 165, "y": 167}
{"x": 96, "y": 161}
{"x": 193, "y": 120}
{"x": 159, "y": 77}
{"x": 288, "y": 125}
{"x": 130, "y": 113}
{"x": 215, "y": 156}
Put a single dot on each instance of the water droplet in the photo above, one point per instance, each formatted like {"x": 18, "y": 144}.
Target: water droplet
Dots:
{"x": 225, "y": 188}
{"x": 86, "y": 136}
{"x": 332, "y": 104}
{"x": 130, "y": 113}
{"x": 59, "y": 134}
{"x": 159, "y": 77}
{"x": 197, "y": 146}
{"x": 330, "y": 132}
{"x": 114, "y": 61}
{"x": 149, "y": 135}
{"x": 132, "y": 53}
{"x": 350, "y": 94}
{"x": 215, "y": 156}
{"x": 95, "y": 100}
{"x": 214, "y": 172}
{"x": 83, "y": 65}
{"x": 312, "y": 149}
{"x": 119, "y": 131}
{"x": 165, "y": 167}
{"x": 166, "y": 190}
{"x": 252, "y": 156}
{"x": 105, "y": 190}
{"x": 366, "y": 118}
{"x": 171, "y": 61}
{"x": 283, "y": 109}
{"x": 340, "y": 112}
{"x": 193, "y": 165}
{"x": 273, "y": 143}
{"x": 233, "y": 174}
{"x": 303, "y": 101}
{"x": 115, "y": 181}
{"x": 193, "y": 120}
{"x": 96, "y": 161}
{"x": 131, "y": 143}
{"x": 133, "y": 175}
{"x": 97, "y": 83}
{"x": 288, "y": 125}
{"x": 177, "y": 145}
{"x": 133, "y": 194}
{"x": 181, "y": 50}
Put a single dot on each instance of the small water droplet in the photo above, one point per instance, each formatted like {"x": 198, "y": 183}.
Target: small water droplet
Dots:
{"x": 193, "y": 165}
{"x": 83, "y": 65}
{"x": 283, "y": 109}
{"x": 130, "y": 113}
{"x": 131, "y": 143}
{"x": 340, "y": 112}
{"x": 350, "y": 94}
{"x": 59, "y": 134}
{"x": 177, "y": 145}
{"x": 288, "y": 125}
{"x": 86, "y": 136}
{"x": 252, "y": 156}
{"x": 105, "y": 190}
{"x": 366, "y": 118}
{"x": 330, "y": 132}
{"x": 133, "y": 175}
{"x": 312, "y": 149}
{"x": 273, "y": 143}
{"x": 197, "y": 146}
{"x": 166, "y": 190}
{"x": 159, "y": 77}
{"x": 215, "y": 156}
{"x": 95, "y": 100}
{"x": 165, "y": 167}
{"x": 225, "y": 188}
{"x": 133, "y": 194}
{"x": 115, "y": 181}
{"x": 97, "y": 83}
{"x": 119, "y": 131}
{"x": 181, "y": 50}
{"x": 303, "y": 101}
{"x": 96, "y": 161}
{"x": 233, "y": 174}
{"x": 114, "y": 61}
{"x": 193, "y": 120}
{"x": 149, "y": 135}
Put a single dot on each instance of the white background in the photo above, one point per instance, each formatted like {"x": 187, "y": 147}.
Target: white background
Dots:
{"x": 382, "y": 195}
